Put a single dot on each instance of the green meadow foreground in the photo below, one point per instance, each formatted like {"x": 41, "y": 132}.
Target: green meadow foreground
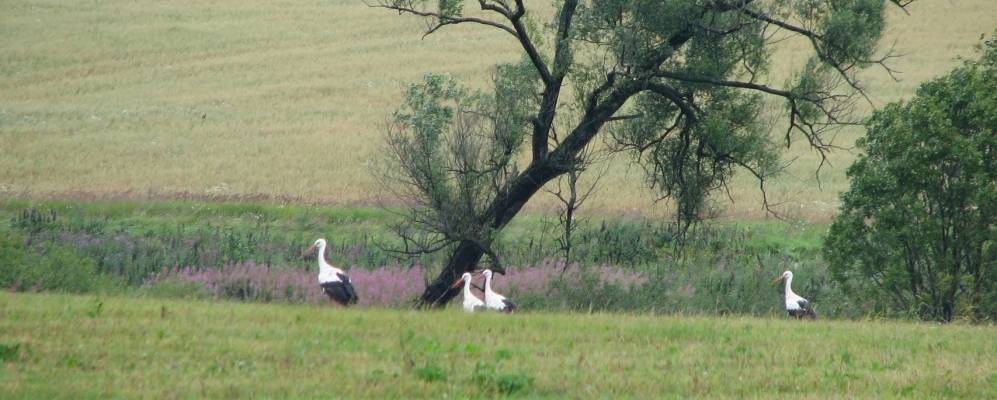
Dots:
{"x": 60, "y": 346}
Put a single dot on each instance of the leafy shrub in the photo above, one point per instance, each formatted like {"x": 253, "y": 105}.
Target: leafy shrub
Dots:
{"x": 136, "y": 250}
{"x": 629, "y": 241}
{"x": 48, "y": 267}
{"x": 916, "y": 230}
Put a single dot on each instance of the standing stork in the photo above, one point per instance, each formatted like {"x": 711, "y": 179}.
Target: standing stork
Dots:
{"x": 795, "y": 305}
{"x": 333, "y": 281}
{"x": 495, "y": 301}
{"x": 471, "y": 302}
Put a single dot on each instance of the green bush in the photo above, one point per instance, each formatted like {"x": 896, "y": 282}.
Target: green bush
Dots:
{"x": 916, "y": 230}
{"x": 48, "y": 267}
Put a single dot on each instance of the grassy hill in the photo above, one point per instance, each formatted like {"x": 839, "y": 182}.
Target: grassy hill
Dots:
{"x": 247, "y": 98}
{"x": 59, "y": 346}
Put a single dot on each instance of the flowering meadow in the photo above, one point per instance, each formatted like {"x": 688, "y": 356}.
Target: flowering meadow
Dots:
{"x": 253, "y": 253}
{"x": 385, "y": 286}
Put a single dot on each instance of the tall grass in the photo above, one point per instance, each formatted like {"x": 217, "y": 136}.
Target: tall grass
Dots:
{"x": 620, "y": 264}
{"x": 385, "y": 286}
{"x": 136, "y": 249}
{"x": 231, "y": 99}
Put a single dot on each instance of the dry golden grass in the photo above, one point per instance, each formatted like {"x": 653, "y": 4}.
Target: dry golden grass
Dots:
{"x": 287, "y": 99}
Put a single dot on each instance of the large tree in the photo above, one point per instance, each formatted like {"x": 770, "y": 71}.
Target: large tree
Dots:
{"x": 679, "y": 84}
{"x": 916, "y": 230}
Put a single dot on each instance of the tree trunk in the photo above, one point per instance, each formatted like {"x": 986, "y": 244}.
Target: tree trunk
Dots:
{"x": 467, "y": 254}
{"x": 506, "y": 205}
{"x": 464, "y": 258}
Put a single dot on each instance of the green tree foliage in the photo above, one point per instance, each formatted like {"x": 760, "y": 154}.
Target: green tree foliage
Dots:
{"x": 453, "y": 151}
{"x": 677, "y": 84}
{"x": 916, "y": 230}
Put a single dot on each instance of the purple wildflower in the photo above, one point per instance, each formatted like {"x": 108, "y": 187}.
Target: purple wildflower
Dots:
{"x": 386, "y": 286}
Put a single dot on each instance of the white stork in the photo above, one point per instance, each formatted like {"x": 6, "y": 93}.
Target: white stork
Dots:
{"x": 495, "y": 301}
{"x": 333, "y": 281}
{"x": 795, "y": 305}
{"x": 471, "y": 302}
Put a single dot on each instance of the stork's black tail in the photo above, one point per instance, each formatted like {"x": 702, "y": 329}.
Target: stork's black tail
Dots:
{"x": 341, "y": 292}
{"x": 806, "y": 310}
{"x": 809, "y": 311}
{"x": 509, "y": 307}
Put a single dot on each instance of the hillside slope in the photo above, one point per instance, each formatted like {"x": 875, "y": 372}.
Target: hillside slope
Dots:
{"x": 252, "y": 97}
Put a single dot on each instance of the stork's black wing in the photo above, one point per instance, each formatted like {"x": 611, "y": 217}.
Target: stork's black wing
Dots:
{"x": 806, "y": 309}
{"x": 340, "y": 291}
{"x": 348, "y": 285}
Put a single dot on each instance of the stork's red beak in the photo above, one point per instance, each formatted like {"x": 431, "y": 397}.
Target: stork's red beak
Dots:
{"x": 777, "y": 279}
{"x": 457, "y": 283}
{"x": 309, "y": 251}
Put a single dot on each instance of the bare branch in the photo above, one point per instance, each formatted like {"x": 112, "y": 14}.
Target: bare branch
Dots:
{"x": 722, "y": 82}
{"x": 624, "y": 117}
{"x": 574, "y": 199}
{"x": 812, "y": 130}
{"x": 761, "y": 187}
{"x": 782, "y": 24}
{"x": 500, "y": 6}
{"x": 846, "y": 71}
{"x": 527, "y": 43}
{"x": 561, "y": 47}
{"x": 903, "y": 4}
{"x": 552, "y": 81}
{"x": 441, "y": 20}
{"x": 677, "y": 98}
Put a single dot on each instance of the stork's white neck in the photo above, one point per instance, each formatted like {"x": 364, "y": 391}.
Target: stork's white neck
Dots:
{"x": 323, "y": 265}
{"x": 488, "y": 283}
{"x": 467, "y": 288}
{"x": 789, "y": 284}
{"x": 321, "y": 255}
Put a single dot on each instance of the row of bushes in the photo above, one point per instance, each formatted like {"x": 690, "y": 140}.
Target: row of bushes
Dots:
{"x": 621, "y": 264}
{"x": 135, "y": 251}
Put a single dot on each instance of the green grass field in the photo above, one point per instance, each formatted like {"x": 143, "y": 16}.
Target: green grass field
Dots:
{"x": 60, "y": 346}
{"x": 280, "y": 106}
{"x": 248, "y": 98}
